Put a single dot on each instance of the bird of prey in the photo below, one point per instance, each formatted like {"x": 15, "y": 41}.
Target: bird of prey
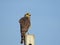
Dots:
{"x": 24, "y": 25}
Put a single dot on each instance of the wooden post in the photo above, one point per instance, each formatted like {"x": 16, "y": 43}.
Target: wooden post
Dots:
{"x": 29, "y": 39}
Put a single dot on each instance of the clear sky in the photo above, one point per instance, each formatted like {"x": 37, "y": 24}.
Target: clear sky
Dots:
{"x": 45, "y": 19}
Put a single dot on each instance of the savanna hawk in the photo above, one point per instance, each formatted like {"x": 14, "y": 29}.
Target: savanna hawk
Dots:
{"x": 24, "y": 25}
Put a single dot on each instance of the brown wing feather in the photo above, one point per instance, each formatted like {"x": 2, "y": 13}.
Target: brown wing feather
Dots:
{"x": 24, "y": 24}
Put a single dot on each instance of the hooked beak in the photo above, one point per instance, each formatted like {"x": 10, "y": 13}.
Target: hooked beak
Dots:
{"x": 29, "y": 15}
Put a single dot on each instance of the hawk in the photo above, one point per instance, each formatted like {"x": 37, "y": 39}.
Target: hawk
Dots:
{"x": 24, "y": 25}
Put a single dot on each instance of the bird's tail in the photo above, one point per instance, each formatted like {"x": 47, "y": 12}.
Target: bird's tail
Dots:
{"x": 22, "y": 38}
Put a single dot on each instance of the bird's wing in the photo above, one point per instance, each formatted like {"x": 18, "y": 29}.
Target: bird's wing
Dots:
{"x": 22, "y": 22}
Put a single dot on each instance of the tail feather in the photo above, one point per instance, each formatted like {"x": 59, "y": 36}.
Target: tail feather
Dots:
{"x": 22, "y": 39}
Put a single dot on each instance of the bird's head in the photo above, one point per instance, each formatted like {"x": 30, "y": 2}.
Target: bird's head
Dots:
{"x": 27, "y": 15}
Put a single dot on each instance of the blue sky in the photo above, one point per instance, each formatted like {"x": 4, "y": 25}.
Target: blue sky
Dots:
{"x": 45, "y": 20}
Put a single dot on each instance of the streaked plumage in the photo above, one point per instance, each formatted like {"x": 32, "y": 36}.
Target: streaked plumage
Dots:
{"x": 24, "y": 25}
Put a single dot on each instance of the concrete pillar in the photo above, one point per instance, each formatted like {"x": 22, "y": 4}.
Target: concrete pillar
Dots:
{"x": 29, "y": 39}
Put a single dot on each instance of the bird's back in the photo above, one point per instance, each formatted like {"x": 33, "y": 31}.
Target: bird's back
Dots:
{"x": 25, "y": 22}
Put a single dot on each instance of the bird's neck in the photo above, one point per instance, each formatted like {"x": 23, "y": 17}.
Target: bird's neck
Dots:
{"x": 28, "y": 18}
